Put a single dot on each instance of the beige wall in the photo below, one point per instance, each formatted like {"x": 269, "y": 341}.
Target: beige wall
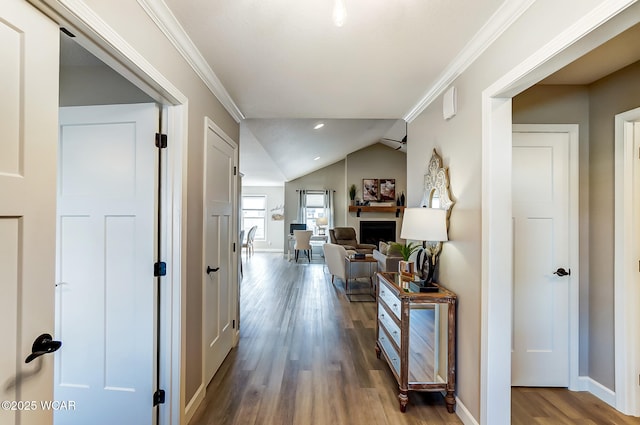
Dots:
{"x": 376, "y": 162}
{"x": 617, "y": 93}
{"x": 274, "y": 228}
{"x": 567, "y": 105}
{"x": 97, "y": 85}
{"x": 134, "y": 25}
{"x": 459, "y": 141}
{"x": 331, "y": 177}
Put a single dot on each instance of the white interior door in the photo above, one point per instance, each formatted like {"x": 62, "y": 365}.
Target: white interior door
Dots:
{"x": 219, "y": 195}
{"x": 105, "y": 298}
{"x": 29, "y": 47}
{"x": 540, "y": 355}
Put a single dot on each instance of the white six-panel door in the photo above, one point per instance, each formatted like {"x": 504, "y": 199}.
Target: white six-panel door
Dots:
{"x": 219, "y": 195}
{"x": 105, "y": 298}
{"x": 540, "y": 355}
{"x": 29, "y": 47}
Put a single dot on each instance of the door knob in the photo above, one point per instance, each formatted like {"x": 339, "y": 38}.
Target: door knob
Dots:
{"x": 562, "y": 272}
{"x": 44, "y": 344}
{"x": 210, "y": 270}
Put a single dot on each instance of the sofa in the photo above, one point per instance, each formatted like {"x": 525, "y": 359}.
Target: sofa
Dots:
{"x": 388, "y": 257}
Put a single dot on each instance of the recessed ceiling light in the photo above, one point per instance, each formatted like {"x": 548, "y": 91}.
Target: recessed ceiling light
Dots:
{"x": 318, "y": 126}
{"x": 316, "y": 158}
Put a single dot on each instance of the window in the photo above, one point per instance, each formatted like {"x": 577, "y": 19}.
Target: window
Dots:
{"x": 315, "y": 208}
{"x": 254, "y": 212}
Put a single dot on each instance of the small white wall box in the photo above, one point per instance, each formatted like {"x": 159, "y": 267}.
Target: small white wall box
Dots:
{"x": 449, "y": 103}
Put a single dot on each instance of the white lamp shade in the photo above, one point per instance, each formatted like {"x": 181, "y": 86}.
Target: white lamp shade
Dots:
{"x": 424, "y": 224}
{"x": 322, "y": 221}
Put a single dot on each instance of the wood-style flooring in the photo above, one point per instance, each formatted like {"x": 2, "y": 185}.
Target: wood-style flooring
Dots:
{"x": 306, "y": 356}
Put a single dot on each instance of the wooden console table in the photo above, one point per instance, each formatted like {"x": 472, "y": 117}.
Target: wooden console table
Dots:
{"x": 416, "y": 334}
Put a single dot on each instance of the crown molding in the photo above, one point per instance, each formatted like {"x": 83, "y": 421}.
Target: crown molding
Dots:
{"x": 168, "y": 24}
{"x": 490, "y": 31}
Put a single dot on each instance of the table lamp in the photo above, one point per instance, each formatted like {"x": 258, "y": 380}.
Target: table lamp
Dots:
{"x": 321, "y": 222}
{"x": 426, "y": 224}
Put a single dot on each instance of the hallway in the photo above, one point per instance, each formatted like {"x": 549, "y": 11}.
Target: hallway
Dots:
{"x": 306, "y": 356}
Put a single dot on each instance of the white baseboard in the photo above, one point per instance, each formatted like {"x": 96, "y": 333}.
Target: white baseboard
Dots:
{"x": 194, "y": 403}
{"x": 598, "y": 390}
{"x": 464, "y": 414}
{"x": 268, "y": 249}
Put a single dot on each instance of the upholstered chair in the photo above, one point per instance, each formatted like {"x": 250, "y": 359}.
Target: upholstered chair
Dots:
{"x": 334, "y": 258}
{"x": 346, "y": 236}
{"x": 302, "y": 243}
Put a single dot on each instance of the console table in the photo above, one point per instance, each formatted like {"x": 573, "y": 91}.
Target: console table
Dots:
{"x": 416, "y": 334}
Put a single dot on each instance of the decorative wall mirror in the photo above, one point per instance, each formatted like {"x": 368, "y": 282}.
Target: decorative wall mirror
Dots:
{"x": 436, "y": 185}
{"x": 436, "y": 195}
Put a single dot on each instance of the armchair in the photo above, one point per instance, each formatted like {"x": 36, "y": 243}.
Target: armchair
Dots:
{"x": 334, "y": 258}
{"x": 346, "y": 236}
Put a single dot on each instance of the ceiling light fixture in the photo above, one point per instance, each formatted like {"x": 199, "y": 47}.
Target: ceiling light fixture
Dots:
{"x": 339, "y": 13}
{"x": 318, "y": 126}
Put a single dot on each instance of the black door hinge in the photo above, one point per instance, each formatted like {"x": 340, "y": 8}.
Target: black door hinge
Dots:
{"x": 235, "y": 170}
{"x": 158, "y": 397}
{"x": 160, "y": 269}
{"x": 234, "y": 324}
{"x": 161, "y": 140}
{"x": 234, "y": 247}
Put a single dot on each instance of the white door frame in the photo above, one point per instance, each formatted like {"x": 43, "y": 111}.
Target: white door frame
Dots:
{"x": 100, "y": 39}
{"x": 496, "y": 257}
{"x": 574, "y": 239}
{"x": 626, "y": 292}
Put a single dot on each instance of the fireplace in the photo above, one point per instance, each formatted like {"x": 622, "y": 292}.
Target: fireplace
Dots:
{"x": 375, "y": 231}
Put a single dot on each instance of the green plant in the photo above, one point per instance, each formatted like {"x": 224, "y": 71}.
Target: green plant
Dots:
{"x": 406, "y": 249}
{"x": 352, "y": 192}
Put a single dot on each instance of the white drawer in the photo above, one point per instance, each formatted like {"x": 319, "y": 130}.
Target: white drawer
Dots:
{"x": 391, "y": 353}
{"x": 390, "y": 325}
{"x": 390, "y": 299}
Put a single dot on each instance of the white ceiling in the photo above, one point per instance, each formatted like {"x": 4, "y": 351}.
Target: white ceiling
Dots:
{"x": 286, "y": 66}
{"x": 286, "y": 59}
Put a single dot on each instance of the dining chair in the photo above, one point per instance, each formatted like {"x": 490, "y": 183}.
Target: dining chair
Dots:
{"x": 302, "y": 243}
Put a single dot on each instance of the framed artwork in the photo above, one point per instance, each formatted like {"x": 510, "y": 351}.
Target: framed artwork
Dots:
{"x": 387, "y": 189}
{"x": 369, "y": 189}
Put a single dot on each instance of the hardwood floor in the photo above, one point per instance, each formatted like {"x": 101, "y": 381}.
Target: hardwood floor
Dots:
{"x": 306, "y": 356}
{"x": 558, "y": 406}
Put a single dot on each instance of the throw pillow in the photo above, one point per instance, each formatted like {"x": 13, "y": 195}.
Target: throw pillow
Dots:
{"x": 394, "y": 250}
{"x": 384, "y": 247}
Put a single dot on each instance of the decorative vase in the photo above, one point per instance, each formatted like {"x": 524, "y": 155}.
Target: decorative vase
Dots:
{"x": 406, "y": 267}
{"x": 402, "y": 199}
